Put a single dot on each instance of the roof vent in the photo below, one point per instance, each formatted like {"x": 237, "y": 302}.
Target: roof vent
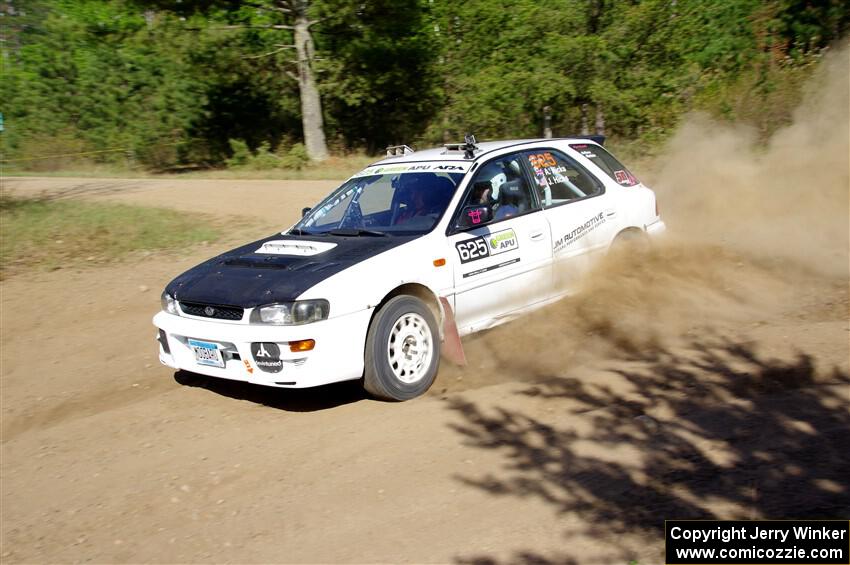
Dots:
{"x": 398, "y": 150}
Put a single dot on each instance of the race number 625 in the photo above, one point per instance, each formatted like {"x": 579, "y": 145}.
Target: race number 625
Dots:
{"x": 472, "y": 249}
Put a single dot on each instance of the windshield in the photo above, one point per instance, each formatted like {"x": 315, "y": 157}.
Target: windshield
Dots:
{"x": 399, "y": 203}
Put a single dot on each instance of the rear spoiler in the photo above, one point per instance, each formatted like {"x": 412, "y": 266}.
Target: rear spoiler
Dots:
{"x": 600, "y": 139}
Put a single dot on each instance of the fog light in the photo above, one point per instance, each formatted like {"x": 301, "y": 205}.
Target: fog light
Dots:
{"x": 302, "y": 345}
{"x": 163, "y": 341}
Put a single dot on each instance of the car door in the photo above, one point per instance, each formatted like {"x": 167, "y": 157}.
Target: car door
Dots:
{"x": 581, "y": 215}
{"x": 504, "y": 264}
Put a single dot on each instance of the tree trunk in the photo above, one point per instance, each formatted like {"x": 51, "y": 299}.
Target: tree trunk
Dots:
{"x": 311, "y": 103}
{"x": 600, "y": 120}
{"x": 585, "y": 130}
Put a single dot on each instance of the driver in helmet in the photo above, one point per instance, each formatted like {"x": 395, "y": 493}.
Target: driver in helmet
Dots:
{"x": 412, "y": 188}
{"x": 498, "y": 195}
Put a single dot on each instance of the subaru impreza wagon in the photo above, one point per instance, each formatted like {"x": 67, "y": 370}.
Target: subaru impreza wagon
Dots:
{"x": 404, "y": 258}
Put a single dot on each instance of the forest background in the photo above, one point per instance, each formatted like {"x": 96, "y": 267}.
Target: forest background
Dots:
{"x": 203, "y": 84}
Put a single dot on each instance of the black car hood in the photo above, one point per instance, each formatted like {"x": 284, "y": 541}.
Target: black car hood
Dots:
{"x": 244, "y": 278}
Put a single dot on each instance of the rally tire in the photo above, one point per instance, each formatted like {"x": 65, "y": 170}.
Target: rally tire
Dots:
{"x": 402, "y": 350}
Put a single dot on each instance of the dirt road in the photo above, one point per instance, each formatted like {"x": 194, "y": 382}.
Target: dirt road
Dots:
{"x": 694, "y": 382}
{"x": 707, "y": 378}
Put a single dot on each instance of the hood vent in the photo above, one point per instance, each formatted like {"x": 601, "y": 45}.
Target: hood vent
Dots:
{"x": 296, "y": 247}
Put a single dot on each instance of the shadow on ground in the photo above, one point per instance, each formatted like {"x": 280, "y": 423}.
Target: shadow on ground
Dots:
{"x": 711, "y": 431}
{"x": 290, "y": 400}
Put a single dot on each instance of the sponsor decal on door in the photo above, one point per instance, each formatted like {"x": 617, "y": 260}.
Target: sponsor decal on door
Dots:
{"x": 486, "y": 245}
{"x": 579, "y": 232}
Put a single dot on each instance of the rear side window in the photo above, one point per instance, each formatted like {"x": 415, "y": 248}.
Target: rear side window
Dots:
{"x": 605, "y": 161}
{"x": 559, "y": 178}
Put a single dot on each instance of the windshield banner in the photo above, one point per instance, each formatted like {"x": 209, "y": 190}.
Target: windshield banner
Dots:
{"x": 438, "y": 167}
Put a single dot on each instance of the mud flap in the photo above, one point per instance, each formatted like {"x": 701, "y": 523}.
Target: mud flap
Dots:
{"x": 452, "y": 347}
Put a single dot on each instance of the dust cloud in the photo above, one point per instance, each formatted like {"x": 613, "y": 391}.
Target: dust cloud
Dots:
{"x": 755, "y": 232}
{"x": 788, "y": 200}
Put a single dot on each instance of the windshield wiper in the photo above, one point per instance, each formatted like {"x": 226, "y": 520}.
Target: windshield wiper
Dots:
{"x": 299, "y": 231}
{"x": 355, "y": 232}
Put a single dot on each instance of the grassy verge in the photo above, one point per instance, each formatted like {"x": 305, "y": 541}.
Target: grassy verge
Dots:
{"x": 61, "y": 233}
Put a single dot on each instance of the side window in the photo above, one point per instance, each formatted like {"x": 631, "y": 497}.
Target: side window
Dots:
{"x": 502, "y": 185}
{"x": 605, "y": 161}
{"x": 560, "y": 179}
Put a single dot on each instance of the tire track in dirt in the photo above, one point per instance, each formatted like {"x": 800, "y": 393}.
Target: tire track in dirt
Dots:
{"x": 272, "y": 204}
{"x": 97, "y": 312}
{"x": 59, "y": 412}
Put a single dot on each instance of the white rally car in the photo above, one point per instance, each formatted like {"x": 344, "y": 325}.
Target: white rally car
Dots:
{"x": 402, "y": 259}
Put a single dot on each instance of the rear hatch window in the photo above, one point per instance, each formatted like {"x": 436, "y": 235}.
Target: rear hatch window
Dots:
{"x": 605, "y": 161}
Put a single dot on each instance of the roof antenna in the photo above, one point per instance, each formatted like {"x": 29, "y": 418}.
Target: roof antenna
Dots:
{"x": 469, "y": 146}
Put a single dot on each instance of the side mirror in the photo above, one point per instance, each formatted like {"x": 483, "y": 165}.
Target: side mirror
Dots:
{"x": 474, "y": 216}
{"x": 305, "y": 211}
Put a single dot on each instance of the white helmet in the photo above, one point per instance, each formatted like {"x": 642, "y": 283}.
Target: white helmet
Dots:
{"x": 496, "y": 182}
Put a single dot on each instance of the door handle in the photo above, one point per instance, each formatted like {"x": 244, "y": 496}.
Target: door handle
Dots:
{"x": 537, "y": 235}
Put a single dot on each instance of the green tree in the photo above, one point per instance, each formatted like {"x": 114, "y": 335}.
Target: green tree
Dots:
{"x": 92, "y": 71}
{"x": 175, "y": 82}
{"x": 378, "y": 73}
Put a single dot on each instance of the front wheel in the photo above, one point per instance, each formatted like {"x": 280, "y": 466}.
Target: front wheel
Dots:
{"x": 402, "y": 350}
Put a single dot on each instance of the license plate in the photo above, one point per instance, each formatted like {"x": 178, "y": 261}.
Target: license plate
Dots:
{"x": 206, "y": 353}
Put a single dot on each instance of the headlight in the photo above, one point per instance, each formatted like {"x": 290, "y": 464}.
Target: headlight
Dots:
{"x": 291, "y": 313}
{"x": 169, "y": 304}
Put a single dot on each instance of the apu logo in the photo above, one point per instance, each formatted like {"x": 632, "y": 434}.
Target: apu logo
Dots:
{"x": 502, "y": 241}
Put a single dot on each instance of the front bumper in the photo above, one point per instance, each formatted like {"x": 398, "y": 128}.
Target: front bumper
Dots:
{"x": 337, "y": 355}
